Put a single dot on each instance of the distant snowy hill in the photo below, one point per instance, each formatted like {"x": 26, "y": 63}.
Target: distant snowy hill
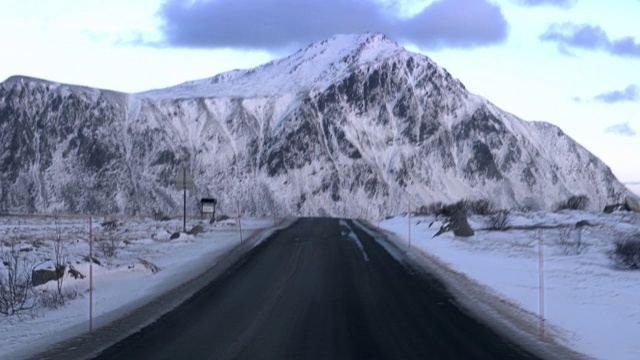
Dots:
{"x": 351, "y": 126}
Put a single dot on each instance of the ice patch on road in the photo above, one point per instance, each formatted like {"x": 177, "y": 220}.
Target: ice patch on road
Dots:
{"x": 351, "y": 235}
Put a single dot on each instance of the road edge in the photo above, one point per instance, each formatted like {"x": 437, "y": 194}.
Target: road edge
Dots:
{"x": 483, "y": 303}
{"x": 145, "y": 311}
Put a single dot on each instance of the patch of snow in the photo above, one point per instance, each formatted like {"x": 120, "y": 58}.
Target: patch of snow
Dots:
{"x": 595, "y": 306}
{"x": 120, "y": 283}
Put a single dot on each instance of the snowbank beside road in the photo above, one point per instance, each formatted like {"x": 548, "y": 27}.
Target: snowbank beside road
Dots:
{"x": 588, "y": 305}
{"x": 122, "y": 282}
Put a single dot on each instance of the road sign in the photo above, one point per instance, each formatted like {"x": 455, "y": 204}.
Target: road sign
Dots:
{"x": 184, "y": 181}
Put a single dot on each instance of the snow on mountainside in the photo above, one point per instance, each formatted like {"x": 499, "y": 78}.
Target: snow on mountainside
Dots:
{"x": 351, "y": 126}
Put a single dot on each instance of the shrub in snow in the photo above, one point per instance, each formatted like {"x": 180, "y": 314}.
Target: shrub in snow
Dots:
{"x": 56, "y": 299}
{"x": 570, "y": 241}
{"x": 108, "y": 246}
{"x": 499, "y": 221}
{"x": 480, "y": 207}
{"x": 16, "y": 290}
{"x": 626, "y": 253}
{"x": 576, "y": 202}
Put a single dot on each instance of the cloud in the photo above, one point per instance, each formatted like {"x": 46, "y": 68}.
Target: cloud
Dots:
{"x": 630, "y": 93}
{"x": 559, "y": 3}
{"x": 621, "y": 129}
{"x": 589, "y": 37}
{"x": 278, "y": 24}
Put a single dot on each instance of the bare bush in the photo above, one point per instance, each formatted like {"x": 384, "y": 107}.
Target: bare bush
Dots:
{"x": 626, "y": 253}
{"x": 570, "y": 242}
{"x": 16, "y": 290}
{"x": 60, "y": 259}
{"x": 576, "y": 202}
{"x": 108, "y": 246}
{"x": 54, "y": 300}
{"x": 499, "y": 221}
{"x": 110, "y": 224}
{"x": 480, "y": 206}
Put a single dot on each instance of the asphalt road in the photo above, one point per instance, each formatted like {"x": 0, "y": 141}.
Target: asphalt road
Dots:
{"x": 314, "y": 292}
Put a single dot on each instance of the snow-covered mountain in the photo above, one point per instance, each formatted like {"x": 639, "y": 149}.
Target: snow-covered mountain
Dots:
{"x": 351, "y": 126}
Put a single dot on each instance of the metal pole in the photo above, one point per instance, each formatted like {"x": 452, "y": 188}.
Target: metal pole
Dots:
{"x": 90, "y": 276}
{"x": 184, "y": 197}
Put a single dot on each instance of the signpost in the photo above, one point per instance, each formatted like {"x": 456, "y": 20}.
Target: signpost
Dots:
{"x": 184, "y": 181}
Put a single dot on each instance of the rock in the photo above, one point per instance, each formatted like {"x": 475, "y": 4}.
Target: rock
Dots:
{"x": 42, "y": 276}
{"x": 615, "y": 207}
{"x": 460, "y": 225}
{"x": 582, "y": 223}
{"x": 632, "y": 204}
{"x": 149, "y": 265}
{"x": 75, "y": 273}
{"x": 198, "y": 229}
{"x": 175, "y": 235}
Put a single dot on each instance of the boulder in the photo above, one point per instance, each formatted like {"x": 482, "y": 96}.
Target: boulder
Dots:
{"x": 175, "y": 235}
{"x": 615, "y": 207}
{"x": 198, "y": 229}
{"x": 460, "y": 225}
{"x": 43, "y": 276}
{"x": 632, "y": 204}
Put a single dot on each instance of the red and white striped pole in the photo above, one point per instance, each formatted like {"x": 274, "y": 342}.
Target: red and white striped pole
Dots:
{"x": 90, "y": 276}
{"x": 541, "y": 282}
{"x": 239, "y": 221}
{"x": 409, "y": 216}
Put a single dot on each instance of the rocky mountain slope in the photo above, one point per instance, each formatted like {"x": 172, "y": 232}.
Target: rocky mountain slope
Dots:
{"x": 351, "y": 126}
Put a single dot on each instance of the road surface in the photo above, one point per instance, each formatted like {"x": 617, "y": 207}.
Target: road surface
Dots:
{"x": 321, "y": 289}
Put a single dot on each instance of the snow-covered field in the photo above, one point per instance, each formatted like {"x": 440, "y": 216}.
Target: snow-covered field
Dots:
{"x": 122, "y": 281}
{"x": 589, "y": 305}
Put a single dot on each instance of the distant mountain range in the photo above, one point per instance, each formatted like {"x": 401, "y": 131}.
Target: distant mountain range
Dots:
{"x": 351, "y": 126}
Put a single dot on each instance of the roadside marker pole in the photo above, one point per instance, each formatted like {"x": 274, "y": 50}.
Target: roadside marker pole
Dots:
{"x": 409, "y": 216}
{"x": 239, "y": 221}
{"x": 90, "y": 276}
{"x": 541, "y": 282}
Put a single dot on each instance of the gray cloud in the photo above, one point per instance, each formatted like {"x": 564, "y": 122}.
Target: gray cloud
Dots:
{"x": 589, "y": 37}
{"x": 630, "y": 93}
{"x": 621, "y": 129}
{"x": 278, "y": 24}
{"x": 559, "y": 3}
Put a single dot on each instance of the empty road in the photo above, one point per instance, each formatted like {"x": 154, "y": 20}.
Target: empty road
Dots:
{"x": 321, "y": 289}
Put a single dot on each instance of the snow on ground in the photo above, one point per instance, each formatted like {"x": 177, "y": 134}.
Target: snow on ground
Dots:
{"x": 125, "y": 280}
{"x": 596, "y": 306}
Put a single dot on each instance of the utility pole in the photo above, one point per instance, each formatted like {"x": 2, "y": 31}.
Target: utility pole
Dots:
{"x": 184, "y": 181}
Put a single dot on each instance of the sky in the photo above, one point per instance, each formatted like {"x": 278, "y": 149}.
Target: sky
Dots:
{"x": 573, "y": 63}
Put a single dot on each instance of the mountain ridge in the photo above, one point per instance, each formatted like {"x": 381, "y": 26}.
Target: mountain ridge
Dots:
{"x": 372, "y": 129}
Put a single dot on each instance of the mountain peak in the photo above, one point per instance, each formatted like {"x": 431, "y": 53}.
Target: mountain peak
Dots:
{"x": 314, "y": 67}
